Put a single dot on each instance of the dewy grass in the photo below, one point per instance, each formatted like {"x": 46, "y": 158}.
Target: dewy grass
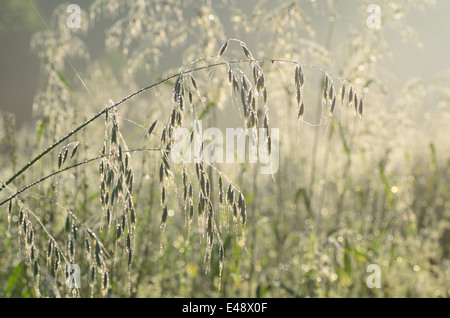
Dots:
{"x": 116, "y": 172}
{"x": 136, "y": 223}
{"x": 112, "y": 171}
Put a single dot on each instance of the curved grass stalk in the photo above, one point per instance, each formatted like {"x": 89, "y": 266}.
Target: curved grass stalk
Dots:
{"x": 92, "y": 119}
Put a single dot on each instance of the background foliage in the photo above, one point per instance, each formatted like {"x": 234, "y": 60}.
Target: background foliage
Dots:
{"x": 348, "y": 193}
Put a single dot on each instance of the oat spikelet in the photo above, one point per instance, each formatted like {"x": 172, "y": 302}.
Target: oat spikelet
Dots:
{"x": 298, "y": 83}
{"x": 299, "y": 95}
{"x": 331, "y": 94}
{"x": 299, "y": 77}
{"x": 235, "y": 84}
{"x": 260, "y": 83}
{"x": 333, "y": 106}
{"x": 246, "y": 51}
{"x": 194, "y": 82}
{"x": 325, "y": 88}
{"x": 350, "y": 96}
{"x": 150, "y": 129}
{"x": 74, "y": 151}
{"x": 164, "y": 216}
{"x": 360, "y": 108}
{"x": 222, "y": 49}
{"x": 301, "y": 111}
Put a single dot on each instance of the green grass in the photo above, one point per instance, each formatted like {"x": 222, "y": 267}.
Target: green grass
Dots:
{"x": 349, "y": 192}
